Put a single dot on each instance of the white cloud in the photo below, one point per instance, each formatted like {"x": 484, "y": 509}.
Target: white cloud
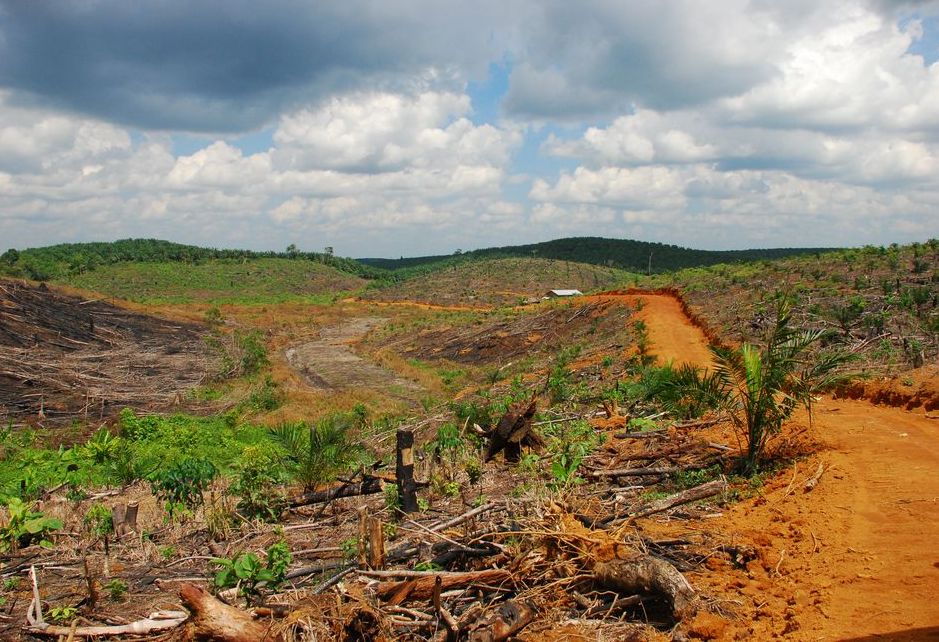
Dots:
{"x": 375, "y": 132}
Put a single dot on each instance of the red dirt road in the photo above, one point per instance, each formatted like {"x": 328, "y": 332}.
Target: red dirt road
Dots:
{"x": 673, "y": 337}
{"x": 859, "y": 555}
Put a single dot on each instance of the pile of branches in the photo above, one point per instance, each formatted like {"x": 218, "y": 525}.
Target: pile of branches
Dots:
{"x": 62, "y": 356}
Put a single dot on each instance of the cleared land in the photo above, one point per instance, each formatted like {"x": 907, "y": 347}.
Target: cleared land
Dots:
{"x": 769, "y": 558}
{"x": 65, "y": 357}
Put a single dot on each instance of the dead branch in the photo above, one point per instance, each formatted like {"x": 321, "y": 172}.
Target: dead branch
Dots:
{"x": 422, "y": 587}
{"x": 703, "y": 491}
{"x": 636, "y": 472}
{"x": 158, "y": 621}
{"x": 812, "y": 481}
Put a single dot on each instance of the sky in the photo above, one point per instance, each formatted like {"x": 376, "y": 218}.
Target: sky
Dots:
{"x": 410, "y": 127}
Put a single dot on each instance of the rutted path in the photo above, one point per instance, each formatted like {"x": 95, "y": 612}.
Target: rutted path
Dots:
{"x": 329, "y": 363}
{"x": 672, "y": 335}
{"x": 863, "y": 548}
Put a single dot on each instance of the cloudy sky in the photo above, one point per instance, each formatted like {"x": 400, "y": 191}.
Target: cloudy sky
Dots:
{"x": 406, "y": 127}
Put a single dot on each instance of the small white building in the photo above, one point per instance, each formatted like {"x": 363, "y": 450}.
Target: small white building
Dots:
{"x": 558, "y": 293}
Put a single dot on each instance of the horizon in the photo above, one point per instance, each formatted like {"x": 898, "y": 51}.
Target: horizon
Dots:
{"x": 414, "y": 128}
{"x": 457, "y": 252}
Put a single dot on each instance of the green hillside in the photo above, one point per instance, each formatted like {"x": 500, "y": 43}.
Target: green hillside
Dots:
{"x": 636, "y": 256}
{"x": 68, "y": 259}
{"x": 258, "y": 280}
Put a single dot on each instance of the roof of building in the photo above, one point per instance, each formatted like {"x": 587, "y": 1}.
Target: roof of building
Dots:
{"x": 565, "y": 292}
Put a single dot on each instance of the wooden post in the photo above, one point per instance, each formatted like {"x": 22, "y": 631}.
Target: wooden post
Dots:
{"x": 124, "y": 518}
{"x": 376, "y": 543}
{"x": 363, "y": 537}
{"x": 404, "y": 471}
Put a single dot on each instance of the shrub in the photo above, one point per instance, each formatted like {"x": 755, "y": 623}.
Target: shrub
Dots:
{"x": 24, "y": 526}
{"x": 761, "y": 388}
{"x": 319, "y": 452}
{"x": 248, "y": 573}
{"x": 98, "y": 521}
{"x": 255, "y": 484}
{"x": 181, "y": 485}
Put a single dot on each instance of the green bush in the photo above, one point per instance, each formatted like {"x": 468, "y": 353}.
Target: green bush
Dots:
{"x": 317, "y": 453}
{"x": 181, "y": 485}
{"x": 248, "y": 573}
{"x": 24, "y": 527}
{"x": 257, "y": 475}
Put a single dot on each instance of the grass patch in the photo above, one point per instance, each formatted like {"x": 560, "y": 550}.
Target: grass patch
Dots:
{"x": 222, "y": 281}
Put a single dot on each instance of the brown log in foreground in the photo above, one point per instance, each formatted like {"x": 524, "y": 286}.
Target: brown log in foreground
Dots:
{"x": 214, "y": 621}
{"x": 422, "y": 587}
{"x": 509, "y": 619}
{"x": 645, "y": 574}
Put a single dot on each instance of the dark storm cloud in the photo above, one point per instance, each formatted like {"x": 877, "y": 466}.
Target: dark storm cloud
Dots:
{"x": 225, "y": 65}
{"x": 597, "y": 57}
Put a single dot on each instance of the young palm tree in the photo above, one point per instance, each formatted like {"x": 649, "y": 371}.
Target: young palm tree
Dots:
{"x": 319, "y": 452}
{"x": 761, "y": 388}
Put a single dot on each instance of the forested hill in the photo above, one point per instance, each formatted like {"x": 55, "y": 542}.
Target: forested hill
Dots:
{"x": 630, "y": 255}
{"x": 56, "y": 261}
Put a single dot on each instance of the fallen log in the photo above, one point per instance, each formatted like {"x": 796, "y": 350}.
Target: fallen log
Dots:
{"x": 214, "y": 621}
{"x": 648, "y": 575}
{"x": 510, "y": 618}
{"x": 422, "y": 586}
{"x": 703, "y": 491}
{"x": 368, "y": 486}
{"x": 158, "y": 621}
{"x": 636, "y": 472}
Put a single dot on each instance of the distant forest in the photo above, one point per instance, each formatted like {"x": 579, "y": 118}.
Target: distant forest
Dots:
{"x": 58, "y": 261}
{"x": 635, "y": 256}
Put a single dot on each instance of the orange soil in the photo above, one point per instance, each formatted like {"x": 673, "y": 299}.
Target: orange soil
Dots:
{"x": 859, "y": 555}
{"x": 674, "y": 338}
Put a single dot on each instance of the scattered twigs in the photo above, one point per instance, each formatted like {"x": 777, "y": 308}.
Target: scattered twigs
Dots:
{"x": 812, "y": 481}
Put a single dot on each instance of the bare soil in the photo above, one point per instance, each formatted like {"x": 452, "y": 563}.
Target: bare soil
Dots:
{"x": 330, "y": 363}
{"x": 855, "y": 557}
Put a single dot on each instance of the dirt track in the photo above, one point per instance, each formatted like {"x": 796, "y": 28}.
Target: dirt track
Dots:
{"x": 674, "y": 338}
{"x": 858, "y": 556}
{"x": 329, "y": 363}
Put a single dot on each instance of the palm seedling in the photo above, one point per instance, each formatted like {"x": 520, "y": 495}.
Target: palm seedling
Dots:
{"x": 319, "y": 452}
{"x": 760, "y": 388}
